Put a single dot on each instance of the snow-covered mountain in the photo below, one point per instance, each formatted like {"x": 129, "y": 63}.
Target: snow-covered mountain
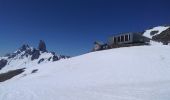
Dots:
{"x": 27, "y": 56}
{"x": 155, "y": 31}
{"x": 159, "y": 34}
{"x": 127, "y": 73}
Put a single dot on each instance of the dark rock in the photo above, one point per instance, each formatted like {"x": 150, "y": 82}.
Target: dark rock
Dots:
{"x": 49, "y": 59}
{"x": 10, "y": 74}
{"x": 12, "y": 55}
{"x": 3, "y": 63}
{"x": 55, "y": 58}
{"x": 24, "y": 47}
{"x": 63, "y": 57}
{"x": 35, "y": 54}
{"x": 42, "y": 46}
{"x": 18, "y": 52}
{"x": 165, "y": 43}
{"x": 53, "y": 53}
{"x": 34, "y": 71}
{"x": 28, "y": 51}
{"x": 153, "y": 32}
{"x": 41, "y": 60}
{"x": 26, "y": 55}
{"x": 163, "y": 37}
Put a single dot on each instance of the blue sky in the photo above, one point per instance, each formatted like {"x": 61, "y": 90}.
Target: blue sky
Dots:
{"x": 71, "y": 26}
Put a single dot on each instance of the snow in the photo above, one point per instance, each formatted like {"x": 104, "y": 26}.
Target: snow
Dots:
{"x": 24, "y": 62}
{"x": 129, "y": 73}
{"x": 160, "y": 29}
{"x": 154, "y": 43}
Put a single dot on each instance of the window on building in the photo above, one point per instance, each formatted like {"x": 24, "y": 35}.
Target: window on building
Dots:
{"x": 126, "y": 38}
{"x": 114, "y": 39}
{"x": 129, "y": 37}
{"x": 122, "y": 38}
{"x": 119, "y": 39}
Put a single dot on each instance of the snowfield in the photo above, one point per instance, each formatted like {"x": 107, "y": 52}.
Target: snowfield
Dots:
{"x": 130, "y": 73}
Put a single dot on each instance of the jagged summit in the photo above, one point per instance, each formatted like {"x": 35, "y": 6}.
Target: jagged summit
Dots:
{"x": 27, "y": 56}
{"x": 24, "y": 47}
{"x": 42, "y": 46}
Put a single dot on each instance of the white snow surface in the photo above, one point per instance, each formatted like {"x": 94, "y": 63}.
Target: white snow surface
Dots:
{"x": 130, "y": 73}
{"x": 160, "y": 29}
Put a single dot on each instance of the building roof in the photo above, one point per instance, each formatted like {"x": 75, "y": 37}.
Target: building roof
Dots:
{"x": 117, "y": 34}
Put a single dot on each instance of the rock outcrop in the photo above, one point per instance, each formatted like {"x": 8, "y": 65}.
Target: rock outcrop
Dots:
{"x": 163, "y": 37}
{"x": 35, "y": 54}
{"x": 42, "y": 46}
{"x": 3, "y": 63}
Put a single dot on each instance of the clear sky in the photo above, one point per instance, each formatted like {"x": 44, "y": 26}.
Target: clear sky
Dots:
{"x": 71, "y": 26}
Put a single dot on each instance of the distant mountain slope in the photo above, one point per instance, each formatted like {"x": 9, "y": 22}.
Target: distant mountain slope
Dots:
{"x": 129, "y": 73}
{"x": 155, "y": 31}
{"x": 27, "y": 56}
{"x": 159, "y": 34}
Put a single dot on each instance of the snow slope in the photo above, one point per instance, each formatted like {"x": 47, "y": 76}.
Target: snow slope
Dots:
{"x": 160, "y": 29}
{"x": 130, "y": 73}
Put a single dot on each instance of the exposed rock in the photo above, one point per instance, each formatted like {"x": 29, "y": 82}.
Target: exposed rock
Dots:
{"x": 3, "y": 63}
{"x": 49, "y": 58}
{"x": 55, "y": 58}
{"x": 18, "y": 52}
{"x": 35, "y": 54}
{"x": 163, "y": 37}
{"x": 64, "y": 57}
{"x": 153, "y": 33}
{"x": 10, "y": 74}
{"x": 28, "y": 52}
{"x": 42, "y": 46}
{"x": 12, "y": 55}
{"x": 24, "y": 47}
{"x": 34, "y": 71}
{"x": 53, "y": 53}
{"x": 41, "y": 60}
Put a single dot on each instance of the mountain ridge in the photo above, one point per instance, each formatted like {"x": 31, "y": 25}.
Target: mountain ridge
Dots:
{"x": 27, "y": 55}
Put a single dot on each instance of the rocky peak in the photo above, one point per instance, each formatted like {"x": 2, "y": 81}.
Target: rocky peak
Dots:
{"x": 24, "y": 47}
{"x": 42, "y": 46}
{"x": 3, "y": 63}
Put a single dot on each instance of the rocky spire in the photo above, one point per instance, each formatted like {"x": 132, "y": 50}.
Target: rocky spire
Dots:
{"x": 42, "y": 46}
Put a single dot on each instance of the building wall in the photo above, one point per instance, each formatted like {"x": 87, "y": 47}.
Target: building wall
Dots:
{"x": 112, "y": 41}
{"x": 134, "y": 38}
